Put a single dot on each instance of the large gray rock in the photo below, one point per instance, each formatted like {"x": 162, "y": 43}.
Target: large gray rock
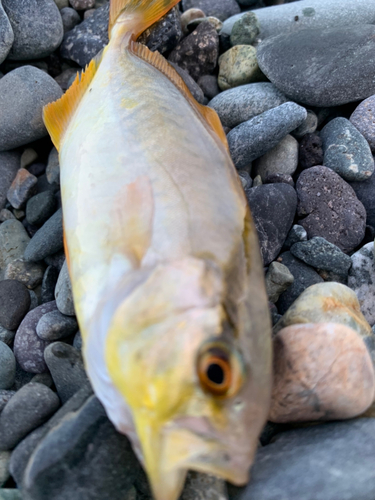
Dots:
{"x": 6, "y": 34}
{"x": 9, "y": 164}
{"x": 324, "y": 462}
{"x": 29, "y": 19}
{"x": 238, "y": 105}
{"x": 23, "y": 93}
{"x": 316, "y": 67}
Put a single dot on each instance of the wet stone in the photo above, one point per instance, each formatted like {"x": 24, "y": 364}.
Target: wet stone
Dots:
{"x": 278, "y": 279}
{"x": 47, "y": 240}
{"x": 27, "y": 273}
{"x": 55, "y": 326}
{"x": 22, "y": 188}
{"x": 310, "y": 151}
{"x": 239, "y": 66}
{"x": 361, "y": 280}
{"x": 15, "y": 302}
{"x": 7, "y": 367}
{"x": 40, "y": 208}
{"x": 63, "y": 292}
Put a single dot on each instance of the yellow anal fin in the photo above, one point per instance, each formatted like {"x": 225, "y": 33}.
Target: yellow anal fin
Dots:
{"x": 208, "y": 115}
{"x": 57, "y": 115}
{"x": 138, "y": 14}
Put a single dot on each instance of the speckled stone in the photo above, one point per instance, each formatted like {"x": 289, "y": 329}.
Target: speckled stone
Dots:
{"x": 55, "y": 326}
{"x": 27, "y": 273}
{"x": 278, "y": 279}
{"x": 361, "y": 280}
{"x": 13, "y": 241}
{"x": 22, "y": 188}
{"x": 238, "y": 66}
{"x": 214, "y": 21}
{"x": 165, "y": 34}
{"x": 310, "y": 151}
{"x": 363, "y": 119}
{"x": 245, "y": 30}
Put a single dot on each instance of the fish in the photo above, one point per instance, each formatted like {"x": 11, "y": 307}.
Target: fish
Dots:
{"x": 164, "y": 261}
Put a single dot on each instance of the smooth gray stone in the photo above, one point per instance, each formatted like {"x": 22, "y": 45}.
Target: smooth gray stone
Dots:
{"x": 282, "y": 159}
{"x": 4, "y": 467}
{"x": 333, "y": 461}
{"x": 7, "y": 367}
{"x": 252, "y": 139}
{"x": 40, "y": 208}
{"x": 70, "y": 18}
{"x": 55, "y": 326}
{"x": 316, "y": 67}
{"x": 310, "y": 14}
{"x": 308, "y": 126}
{"x": 6, "y": 34}
{"x": 29, "y": 19}
{"x": 47, "y": 240}
{"x": 346, "y": 151}
{"x": 240, "y": 104}
{"x": 63, "y": 292}
{"x": 9, "y": 165}
{"x": 13, "y": 242}
{"x": 23, "y": 93}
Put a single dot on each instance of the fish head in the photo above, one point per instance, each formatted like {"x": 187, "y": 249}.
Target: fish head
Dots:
{"x": 175, "y": 358}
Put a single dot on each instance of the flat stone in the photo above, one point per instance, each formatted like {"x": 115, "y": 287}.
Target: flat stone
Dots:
{"x": 245, "y": 30}
{"x": 198, "y": 52}
{"x": 7, "y": 35}
{"x": 239, "y": 66}
{"x": 13, "y": 241}
{"x": 7, "y": 367}
{"x": 282, "y": 159}
{"x": 361, "y": 279}
{"x": 273, "y": 207}
{"x": 310, "y": 151}
{"x": 363, "y": 120}
{"x": 304, "y": 276}
{"x": 278, "y": 279}
{"x": 311, "y": 65}
{"x": 346, "y": 151}
{"x": 165, "y": 34}
{"x": 22, "y": 188}
{"x": 15, "y": 302}
{"x": 47, "y": 240}
{"x": 222, "y": 9}
{"x": 63, "y": 292}
{"x": 55, "y": 326}
{"x": 253, "y": 138}
{"x": 23, "y": 93}
{"x": 240, "y": 104}
{"x": 28, "y": 347}
{"x": 29, "y": 19}
{"x": 29, "y": 408}
{"x": 27, "y": 273}
{"x": 9, "y": 165}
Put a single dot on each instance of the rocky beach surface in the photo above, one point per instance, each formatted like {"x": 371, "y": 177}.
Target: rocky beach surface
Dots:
{"x": 293, "y": 84}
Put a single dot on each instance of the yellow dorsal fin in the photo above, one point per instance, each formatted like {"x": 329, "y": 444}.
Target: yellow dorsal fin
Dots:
{"x": 138, "y": 14}
{"x": 57, "y": 115}
{"x": 208, "y": 115}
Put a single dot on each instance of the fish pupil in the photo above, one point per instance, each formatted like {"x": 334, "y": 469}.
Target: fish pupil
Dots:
{"x": 215, "y": 374}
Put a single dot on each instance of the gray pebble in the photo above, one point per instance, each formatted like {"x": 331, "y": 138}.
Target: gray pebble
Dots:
{"x": 346, "y": 151}
{"x": 40, "y": 208}
{"x": 53, "y": 166}
{"x": 245, "y": 30}
{"x": 23, "y": 93}
{"x": 70, "y": 18}
{"x": 7, "y": 36}
{"x": 9, "y": 165}
{"x": 240, "y": 104}
{"x": 4, "y": 467}
{"x": 222, "y": 9}
{"x": 63, "y": 292}
{"x": 47, "y": 240}
{"x": 77, "y": 342}
{"x": 6, "y": 336}
{"x": 7, "y": 367}
{"x": 28, "y": 157}
{"x": 282, "y": 159}
{"x": 308, "y": 126}
{"x": 27, "y": 273}
{"x": 34, "y": 301}
{"x": 296, "y": 234}
{"x": 13, "y": 242}
{"x": 208, "y": 83}
{"x": 363, "y": 120}
{"x": 48, "y": 284}
{"x": 361, "y": 280}
{"x": 5, "y": 396}
{"x": 15, "y": 303}
{"x": 252, "y": 139}
{"x": 29, "y": 408}
{"x": 55, "y": 326}
{"x": 278, "y": 279}
{"x": 191, "y": 84}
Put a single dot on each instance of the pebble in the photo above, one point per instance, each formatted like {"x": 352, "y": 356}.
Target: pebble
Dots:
{"x": 240, "y": 104}
{"x": 15, "y": 303}
{"x": 6, "y": 335}
{"x": 364, "y": 191}
{"x": 198, "y": 52}
{"x": 55, "y": 326}
{"x": 321, "y": 372}
{"x": 63, "y": 292}
{"x": 37, "y": 169}
{"x": 6, "y": 214}
{"x": 279, "y": 178}
{"x": 310, "y": 151}
{"x": 7, "y": 367}
{"x": 28, "y": 157}
{"x": 23, "y": 93}
{"x": 29, "y": 408}
{"x": 47, "y": 240}
{"x": 56, "y": 260}
{"x": 245, "y": 30}
{"x": 5, "y": 396}
{"x": 199, "y": 486}
{"x": 346, "y": 151}
{"x": 238, "y": 66}
{"x": 27, "y": 273}
{"x": 53, "y": 167}
{"x": 304, "y": 276}
{"x": 40, "y": 208}
{"x": 4, "y": 467}
{"x": 9, "y": 165}
{"x": 77, "y": 342}
{"x": 222, "y": 9}
{"x": 88, "y": 38}
{"x": 278, "y": 279}
{"x": 254, "y": 138}
{"x": 363, "y": 120}
{"x": 321, "y": 254}
{"x": 22, "y": 188}
{"x": 91, "y": 458}
{"x": 308, "y": 126}
{"x": 13, "y": 241}
{"x": 66, "y": 366}
{"x": 66, "y": 78}
{"x": 330, "y": 208}
{"x": 310, "y": 65}
{"x": 191, "y": 84}
{"x": 188, "y": 16}
{"x": 165, "y": 34}
{"x": 82, "y": 4}
{"x": 28, "y": 347}
{"x": 214, "y": 21}
{"x": 49, "y": 284}
{"x": 361, "y": 280}
{"x": 282, "y": 159}
{"x": 7, "y": 35}
{"x": 70, "y": 18}
{"x": 273, "y": 207}
{"x": 28, "y": 21}
{"x": 331, "y": 461}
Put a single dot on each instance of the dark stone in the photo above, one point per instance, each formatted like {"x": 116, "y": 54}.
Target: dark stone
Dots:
{"x": 332, "y": 461}
{"x": 15, "y": 302}
{"x": 49, "y": 284}
{"x": 331, "y": 208}
{"x": 22, "y": 188}
{"x": 56, "y": 260}
{"x": 5, "y": 396}
{"x": 9, "y": 164}
{"x": 191, "y": 84}
{"x": 365, "y": 193}
{"x": 273, "y": 207}
{"x": 37, "y": 169}
{"x": 29, "y": 408}
{"x": 279, "y": 178}
{"x": 28, "y": 347}
{"x": 165, "y": 34}
{"x": 316, "y": 66}
{"x": 310, "y": 151}
{"x": 209, "y": 86}
{"x": 7, "y": 36}
{"x": 48, "y": 239}
{"x": 40, "y": 208}
{"x": 222, "y": 9}
{"x": 22, "y": 378}
{"x": 70, "y": 18}
{"x": 198, "y": 52}
{"x": 304, "y": 276}
{"x": 84, "y": 454}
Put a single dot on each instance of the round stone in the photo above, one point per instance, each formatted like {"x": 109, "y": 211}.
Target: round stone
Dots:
{"x": 55, "y": 326}
{"x": 282, "y": 159}
{"x": 70, "y": 18}
{"x": 245, "y": 30}
{"x": 188, "y": 16}
{"x": 7, "y": 367}
{"x": 15, "y": 302}
{"x": 238, "y": 66}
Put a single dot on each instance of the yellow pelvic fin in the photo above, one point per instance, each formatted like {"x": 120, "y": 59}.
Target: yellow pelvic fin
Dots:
{"x": 138, "y": 14}
{"x": 57, "y": 115}
{"x": 208, "y": 115}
